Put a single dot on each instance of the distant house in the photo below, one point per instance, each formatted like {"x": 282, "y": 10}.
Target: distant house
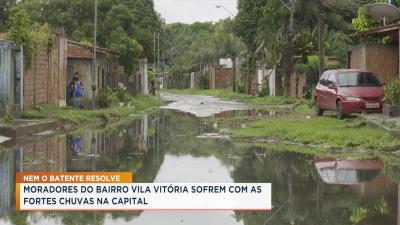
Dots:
{"x": 226, "y": 63}
{"x": 383, "y": 60}
{"x": 45, "y": 80}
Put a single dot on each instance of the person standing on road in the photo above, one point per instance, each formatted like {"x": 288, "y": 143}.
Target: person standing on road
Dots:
{"x": 78, "y": 92}
{"x": 70, "y": 92}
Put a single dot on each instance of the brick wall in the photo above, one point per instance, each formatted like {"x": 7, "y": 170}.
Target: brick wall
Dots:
{"x": 51, "y": 70}
{"x": 211, "y": 77}
{"x": 76, "y": 50}
{"x": 49, "y": 150}
{"x": 223, "y": 78}
{"x": 357, "y": 57}
{"x": 45, "y": 79}
{"x": 36, "y": 79}
{"x": 382, "y": 60}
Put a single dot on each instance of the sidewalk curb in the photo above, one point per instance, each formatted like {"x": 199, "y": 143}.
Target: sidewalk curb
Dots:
{"x": 375, "y": 123}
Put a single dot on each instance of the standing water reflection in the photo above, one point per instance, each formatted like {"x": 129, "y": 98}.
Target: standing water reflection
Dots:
{"x": 165, "y": 148}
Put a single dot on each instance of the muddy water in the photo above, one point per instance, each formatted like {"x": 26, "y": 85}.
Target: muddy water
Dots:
{"x": 166, "y": 148}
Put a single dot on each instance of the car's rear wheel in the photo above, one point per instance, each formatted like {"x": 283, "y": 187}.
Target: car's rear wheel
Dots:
{"x": 339, "y": 110}
{"x": 317, "y": 109}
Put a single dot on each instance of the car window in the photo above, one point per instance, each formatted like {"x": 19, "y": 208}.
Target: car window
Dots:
{"x": 331, "y": 79}
{"x": 358, "y": 79}
{"x": 323, "y": 79}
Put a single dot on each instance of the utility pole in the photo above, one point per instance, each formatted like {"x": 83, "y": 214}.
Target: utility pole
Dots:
{"x": 288, "y": 52}
{"x": 321, "y": 41}
{"x": 94, "y": 55}
{"x": 248, "y": 86}
{"x": 181, "y": 80}
{"x": 201, "y": 62}
{"x": 235, "y": 80}
{"x": 158, "y": 54}
{"x": 154, "y": 50}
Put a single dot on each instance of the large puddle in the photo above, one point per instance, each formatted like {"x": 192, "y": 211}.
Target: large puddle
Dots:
{"x": 167, "y": 147}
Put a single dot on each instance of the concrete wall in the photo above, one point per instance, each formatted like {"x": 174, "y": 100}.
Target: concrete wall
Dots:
{"x": 194, "y": 81}
{"x": 380, "y": 59}
{"x": 11, "y": 64}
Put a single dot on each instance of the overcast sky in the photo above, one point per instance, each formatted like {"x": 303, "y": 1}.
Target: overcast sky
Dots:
{"x": 190, "y": 11}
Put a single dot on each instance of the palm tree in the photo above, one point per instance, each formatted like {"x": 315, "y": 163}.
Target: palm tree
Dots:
{"x": 276, "y": 25}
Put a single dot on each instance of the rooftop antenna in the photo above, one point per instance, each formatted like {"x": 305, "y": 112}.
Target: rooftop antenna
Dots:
{"x": 386, "y": 12}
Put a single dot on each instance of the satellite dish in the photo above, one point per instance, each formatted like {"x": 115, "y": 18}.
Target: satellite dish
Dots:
{"x": 384, "y": 11}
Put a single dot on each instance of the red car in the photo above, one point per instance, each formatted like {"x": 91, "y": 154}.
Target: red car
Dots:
{"x": 348, "y": 91}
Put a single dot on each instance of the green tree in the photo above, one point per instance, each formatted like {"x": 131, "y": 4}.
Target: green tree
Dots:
{"x": 5, "y": 6}
{"x": 248, "y": 21}
{"x": 25, "y": 32}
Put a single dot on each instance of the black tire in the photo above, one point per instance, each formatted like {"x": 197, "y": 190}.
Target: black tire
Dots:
{"x": 317, "y": 109}
{"x": 339, "y": 110}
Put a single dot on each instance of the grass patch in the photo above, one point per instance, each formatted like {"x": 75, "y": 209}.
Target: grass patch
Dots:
{"x": 229, "y": 95}
{"x": 139, "y": 105}
{"x": 7, "y": 120}
{"x": 323, "y": 131}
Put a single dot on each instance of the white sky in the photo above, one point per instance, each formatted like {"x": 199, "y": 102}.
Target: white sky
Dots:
{"x": 190, "y": 11}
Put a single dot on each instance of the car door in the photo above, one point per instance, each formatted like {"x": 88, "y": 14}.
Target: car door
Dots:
{"x": 331, "y": 91}
{"x": 321, "y": 89}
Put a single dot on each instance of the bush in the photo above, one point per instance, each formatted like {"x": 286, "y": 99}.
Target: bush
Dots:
{"x": 107, "y": 97}
{"x": 22, "y": 30}
{"x": 121, "y": 92}
{"x": 7, "y": 120}
{"x": 392, "y": 92}
{"x": 264, "y": 91}
{"x": 150, "y": 75}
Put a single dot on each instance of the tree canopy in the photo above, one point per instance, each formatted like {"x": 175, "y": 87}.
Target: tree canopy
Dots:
{"x": 127, "y": 26}
{"x": 191, "y": 47}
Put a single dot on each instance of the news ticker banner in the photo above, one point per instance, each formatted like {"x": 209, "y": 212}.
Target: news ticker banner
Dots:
{"x": 116, "y": 192}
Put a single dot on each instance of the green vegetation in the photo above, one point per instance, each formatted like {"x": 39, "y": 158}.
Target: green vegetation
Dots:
{"x": 7, "y": 120}
{"x": 24, "y": 31}
{"x": 139, "y": 105}
{"x": 326, "y": 132}
{"x": 107, "y": 97}
{"x": 126, "y": 26}
{"x": 192, "y": 47}
{"x": 392, "y": 92}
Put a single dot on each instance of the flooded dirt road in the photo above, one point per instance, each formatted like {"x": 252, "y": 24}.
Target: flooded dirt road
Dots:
{"x": 200, "y": 105}
{"x": 166, "y": 147}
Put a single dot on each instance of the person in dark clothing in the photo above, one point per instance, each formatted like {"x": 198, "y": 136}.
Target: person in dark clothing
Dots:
{"x": 70, "y": 92}
{"x": 77, "y": 92}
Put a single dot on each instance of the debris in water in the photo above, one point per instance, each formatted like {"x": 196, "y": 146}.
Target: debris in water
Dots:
{"x": 213, "y": 136}
{"x": 4, "y": 139}
{"x": 45, "y": 133}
